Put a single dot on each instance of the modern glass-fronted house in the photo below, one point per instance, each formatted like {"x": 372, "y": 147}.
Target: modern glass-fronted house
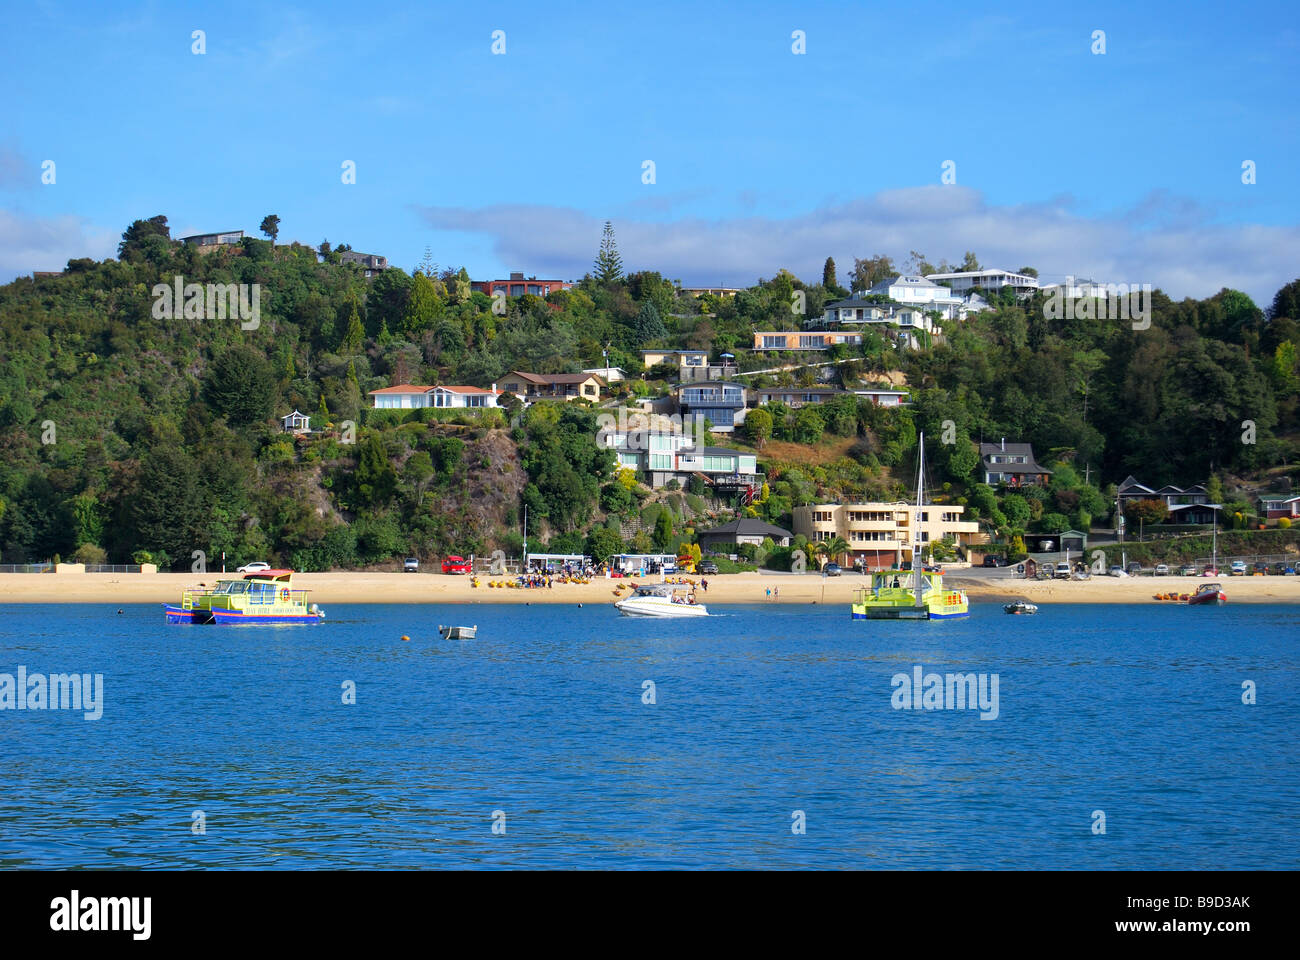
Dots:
{"x": 722, "y": 403}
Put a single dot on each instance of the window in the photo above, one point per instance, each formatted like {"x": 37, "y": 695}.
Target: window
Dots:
{"x": 822, "y": 516}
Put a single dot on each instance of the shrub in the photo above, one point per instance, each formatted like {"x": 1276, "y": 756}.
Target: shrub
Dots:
{"x": 90, "y": 553}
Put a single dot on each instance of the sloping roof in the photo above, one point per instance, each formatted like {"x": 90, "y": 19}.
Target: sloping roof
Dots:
{"x": 917, "y": 283}
{"x": 836, "y": 390}
{"x": 857, "y": 301}
{"x": 747, "y": 527}
{"x": 556, "y": 378}
{"x": 1130, "y": 482}
{"x": 1015, "y": 449}
{"x": 403, "y": 388}
{"x": 978, "y": 273}
{"x": 1011, "y": 449}
{"x": 462, "y": 389}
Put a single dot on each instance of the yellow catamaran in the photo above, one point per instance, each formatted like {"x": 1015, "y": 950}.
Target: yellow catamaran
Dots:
{"x": 265, "y": 597}
{"x": 916, "y": 594}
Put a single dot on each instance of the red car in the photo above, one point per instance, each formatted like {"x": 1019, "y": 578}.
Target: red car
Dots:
{"x": 455, "y": 565}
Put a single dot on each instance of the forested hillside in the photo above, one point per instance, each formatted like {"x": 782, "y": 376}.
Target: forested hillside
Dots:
{"x": 125, "y": 435}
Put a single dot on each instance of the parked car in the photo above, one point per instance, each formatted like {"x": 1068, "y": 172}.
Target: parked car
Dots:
{"x": 1134, "y": 568}
{"x": 1117, "y": 571}
{"x": 832, "y": 570}
{"x": 1187, "y": 570}
{"x": 455, "y": 565}
{"x": 1210, "y": 571}
{"x": 411, "y": 565}
{"x": 257, "y": 566}
{"x": 1261, "y": 569}
{"x": 995, "y": 561}
{"x": 1162, "y": 569}
{"x": 1239, "y": 568}
{"x": 708, "y": 568}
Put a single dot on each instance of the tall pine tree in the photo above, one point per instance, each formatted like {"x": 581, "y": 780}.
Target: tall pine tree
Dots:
{"x": 828, "y": 274}
{"x": 609, "y": 265}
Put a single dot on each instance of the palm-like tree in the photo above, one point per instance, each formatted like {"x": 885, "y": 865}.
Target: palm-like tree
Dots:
{"x": 832, "y": 548}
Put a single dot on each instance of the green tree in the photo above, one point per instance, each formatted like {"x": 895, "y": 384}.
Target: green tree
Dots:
{"x": 418, "y": 472}
{"x": 808, "y": 425}
{"x": 828, "y": 275}
{"x": 376, "y": 481}
{"x": 831, "y": 548}
{"x": 866, "y": 273}
{"x": 271, "y": 227}
{"x": 134, "y": 237}
{"x": 758, "y": 426}
{"x": 603, "y": 543}
{"x": 608, "y": 265}
{"x": 166, "y": 511}
{"x": 354, "y": 334}
{"x": 648, "y": 327}
{"x": 663, "y": 536}
{"x": 1016, "y": 509}
{"x": 423, "y": 307}
{"x": 241, "y": 384}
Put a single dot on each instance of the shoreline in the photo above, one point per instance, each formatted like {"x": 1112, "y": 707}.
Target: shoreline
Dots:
{"x": 734, "y": 588}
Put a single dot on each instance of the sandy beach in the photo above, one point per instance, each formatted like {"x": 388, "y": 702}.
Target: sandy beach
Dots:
{"x": 386, "y": 587}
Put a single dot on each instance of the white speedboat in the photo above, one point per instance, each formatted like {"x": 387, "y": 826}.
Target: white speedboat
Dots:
{"x": 661, "y": 600}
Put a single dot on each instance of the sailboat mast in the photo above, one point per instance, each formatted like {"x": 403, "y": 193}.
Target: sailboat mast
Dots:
{"x": 916, "y": 529}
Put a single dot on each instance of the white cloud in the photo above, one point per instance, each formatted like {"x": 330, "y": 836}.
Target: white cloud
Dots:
{"x": 48, "y": 243}
{"x": 1165, "y": 241}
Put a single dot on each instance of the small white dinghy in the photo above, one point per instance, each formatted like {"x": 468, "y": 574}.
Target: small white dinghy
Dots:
{"x": 458, "y": 633}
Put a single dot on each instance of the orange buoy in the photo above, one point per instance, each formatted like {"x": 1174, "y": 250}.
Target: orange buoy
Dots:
{"x": 405, "y": 639}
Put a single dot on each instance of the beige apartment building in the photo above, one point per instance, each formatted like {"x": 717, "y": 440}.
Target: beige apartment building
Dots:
{"x": 880, "y": 534}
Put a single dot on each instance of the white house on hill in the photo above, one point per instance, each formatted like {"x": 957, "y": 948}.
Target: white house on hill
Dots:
{"x": 412, "y": 396}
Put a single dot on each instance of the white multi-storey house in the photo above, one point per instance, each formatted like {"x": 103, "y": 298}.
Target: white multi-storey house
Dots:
{"x": 993, "y": 280}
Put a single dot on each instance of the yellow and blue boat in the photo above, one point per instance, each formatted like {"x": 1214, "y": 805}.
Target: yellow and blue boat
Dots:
{"x": 916, "y": 594}
{"x": 893, "y": 595}
{"x": 267, "y": 596}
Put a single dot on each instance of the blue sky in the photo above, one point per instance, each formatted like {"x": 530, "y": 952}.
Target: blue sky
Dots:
{"x": 1125, "y": 166}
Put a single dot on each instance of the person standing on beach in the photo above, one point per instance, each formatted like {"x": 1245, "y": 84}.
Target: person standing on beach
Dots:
{"x": 769, "y": 593}
{"x": 776, "y": 593}
{"x": 705, "y": 585}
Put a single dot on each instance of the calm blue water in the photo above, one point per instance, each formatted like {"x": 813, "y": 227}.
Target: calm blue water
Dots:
{"x": 761, "y": 711}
